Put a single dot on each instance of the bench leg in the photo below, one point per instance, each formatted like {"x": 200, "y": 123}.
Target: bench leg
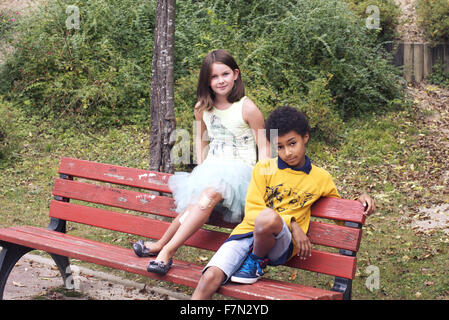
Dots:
{"x": 62, "y": 262}
{"x": 344, "y": 286}
{"x": 63, "y": 265}
{"x": 10, "y": 254}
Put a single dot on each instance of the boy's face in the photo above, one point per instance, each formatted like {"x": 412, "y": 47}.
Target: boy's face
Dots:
{"x": 292, "y": 148}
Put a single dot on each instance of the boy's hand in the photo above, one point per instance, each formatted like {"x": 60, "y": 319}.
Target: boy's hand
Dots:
{"x": 368, "y": 204}
{"x": 302, "y": 241}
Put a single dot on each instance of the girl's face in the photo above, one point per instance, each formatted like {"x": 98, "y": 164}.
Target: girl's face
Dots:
{"x": 222, "y": 79}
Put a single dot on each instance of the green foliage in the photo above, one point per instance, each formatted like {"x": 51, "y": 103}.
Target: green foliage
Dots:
{"x": 7, "y": 21}
{"x": 433, "y": 15}
{"x": 439, "y": 76}
{"x": 389, "y": 13}
{"x": 100, "y": 73}
{"x": 319, "y": 105}
{"x": 282, "y": 46}
{"x": 10, "y": 133}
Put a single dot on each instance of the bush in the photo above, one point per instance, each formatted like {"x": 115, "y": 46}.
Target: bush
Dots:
{"x": 99, "y": 72}
{"x": 10, "y": 135}
{"x": 439, "y": 76}
{"x": 288, "y": 51}
{"x": 7, "y": 20}
{"x": 433, "y": 17}
{"x": 319, "y": 106}
{"x": 283, "y": 46}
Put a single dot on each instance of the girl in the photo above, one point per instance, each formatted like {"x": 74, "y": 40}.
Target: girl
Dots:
{"x": 231, "y": 121}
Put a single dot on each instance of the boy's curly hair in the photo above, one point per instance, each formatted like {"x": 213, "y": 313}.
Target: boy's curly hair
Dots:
{"x": 286, "y": 119}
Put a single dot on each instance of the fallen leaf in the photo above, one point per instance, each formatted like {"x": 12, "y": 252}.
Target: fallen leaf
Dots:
{"x": 18, "y": 284}
{"x": 202, "y": 258}
{"x": 45, "y": 278}
{"x": 293, "y": 275}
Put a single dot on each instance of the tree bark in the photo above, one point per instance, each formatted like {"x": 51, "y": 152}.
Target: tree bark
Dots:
{"x": 162, "y": 113}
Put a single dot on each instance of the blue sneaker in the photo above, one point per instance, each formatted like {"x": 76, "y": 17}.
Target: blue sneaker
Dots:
{"x": 250, "y": 271}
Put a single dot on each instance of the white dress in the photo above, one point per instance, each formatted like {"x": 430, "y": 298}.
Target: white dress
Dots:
{"x": 227, "y": 167}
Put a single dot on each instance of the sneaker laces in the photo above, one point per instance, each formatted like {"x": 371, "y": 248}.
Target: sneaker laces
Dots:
{"x": 253, "y": 262}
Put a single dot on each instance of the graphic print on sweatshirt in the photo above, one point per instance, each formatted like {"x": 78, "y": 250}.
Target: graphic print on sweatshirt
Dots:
{"x": 281, "y": 198}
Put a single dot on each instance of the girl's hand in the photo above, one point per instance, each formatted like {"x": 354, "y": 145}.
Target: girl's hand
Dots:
{"x": 302, "y": 241}
{"x": 368, "y": 204}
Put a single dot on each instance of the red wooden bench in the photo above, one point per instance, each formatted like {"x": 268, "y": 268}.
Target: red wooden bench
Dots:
{"x": 18, "y": 240}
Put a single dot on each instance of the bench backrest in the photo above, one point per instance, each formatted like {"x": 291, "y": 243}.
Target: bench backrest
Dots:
{"x": 66, "y": 187}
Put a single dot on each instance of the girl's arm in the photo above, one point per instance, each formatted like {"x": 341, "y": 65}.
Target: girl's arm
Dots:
{"x": 254, "y": 117}
{"x": 200, "y": 143}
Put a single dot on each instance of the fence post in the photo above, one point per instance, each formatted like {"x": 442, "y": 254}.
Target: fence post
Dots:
{"x": 408, "y": 61}
{"x": 418, "y": 59}
{"x": 427, "y": 68}
{"x": 418, "y": 62}
{"x": 446, "y": 56}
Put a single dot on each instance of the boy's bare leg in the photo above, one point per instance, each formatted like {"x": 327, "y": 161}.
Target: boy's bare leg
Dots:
{"x": 209, "y": 283}
{"x": 268, "y": 224}
{"x": 195, "y": 216}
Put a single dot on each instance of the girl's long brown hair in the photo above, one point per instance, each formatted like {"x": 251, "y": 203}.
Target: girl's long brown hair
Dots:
{"x": 204, "y": 93}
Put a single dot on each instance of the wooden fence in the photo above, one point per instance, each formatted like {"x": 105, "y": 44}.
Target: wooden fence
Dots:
{"x": 418, "y": 59}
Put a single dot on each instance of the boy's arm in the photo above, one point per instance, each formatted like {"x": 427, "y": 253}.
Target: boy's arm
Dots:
{"x": 255, "y": 201}
{"x": 301, "y": 240}
{"x": 331, "y": 189}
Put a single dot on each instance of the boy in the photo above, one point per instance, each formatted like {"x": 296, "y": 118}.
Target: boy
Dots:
{"x": 277, "y": 210}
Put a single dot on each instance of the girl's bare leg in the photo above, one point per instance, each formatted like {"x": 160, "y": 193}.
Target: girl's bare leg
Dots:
{"x": 194, "y": 217}
{"x": 171, "y": 230}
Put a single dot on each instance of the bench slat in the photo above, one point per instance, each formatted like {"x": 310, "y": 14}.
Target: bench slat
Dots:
{"x": 204, "y": 239}
{"x": 125, "y": 199}
{"x": 181, "y": 272}
{"x": 115, "y": 174}
{"x": 339, "y": 209}
{"x": 137, "y": 225}
{"x": 334, "y": 236}
{"x": 119, "y": 198}
{"x": 333, "y": 264}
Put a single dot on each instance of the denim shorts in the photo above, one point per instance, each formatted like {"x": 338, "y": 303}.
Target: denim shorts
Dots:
{"x": 231, "y": 255}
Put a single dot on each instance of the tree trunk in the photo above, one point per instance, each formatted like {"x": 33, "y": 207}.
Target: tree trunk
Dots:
{"x": 162, "y": 112}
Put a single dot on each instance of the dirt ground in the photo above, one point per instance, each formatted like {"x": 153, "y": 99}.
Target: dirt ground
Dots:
{"x": 37, "y": 278}
{"x": 18, "y": 5}
{"x": 408, "y": 23}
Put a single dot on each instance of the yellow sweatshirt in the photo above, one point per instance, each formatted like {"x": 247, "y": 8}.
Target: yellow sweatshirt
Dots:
{"x": 289, "y": 192}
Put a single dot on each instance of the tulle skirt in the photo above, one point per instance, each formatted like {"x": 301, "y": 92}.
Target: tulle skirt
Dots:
{"x": 228, "y": 177}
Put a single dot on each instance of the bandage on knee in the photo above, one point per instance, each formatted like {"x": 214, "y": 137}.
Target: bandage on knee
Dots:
{"x": 204, "y": 202}
{"x": 184, "y": 216}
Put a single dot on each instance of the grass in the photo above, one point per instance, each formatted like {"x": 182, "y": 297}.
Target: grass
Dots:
{"x": 382, "y": 155}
